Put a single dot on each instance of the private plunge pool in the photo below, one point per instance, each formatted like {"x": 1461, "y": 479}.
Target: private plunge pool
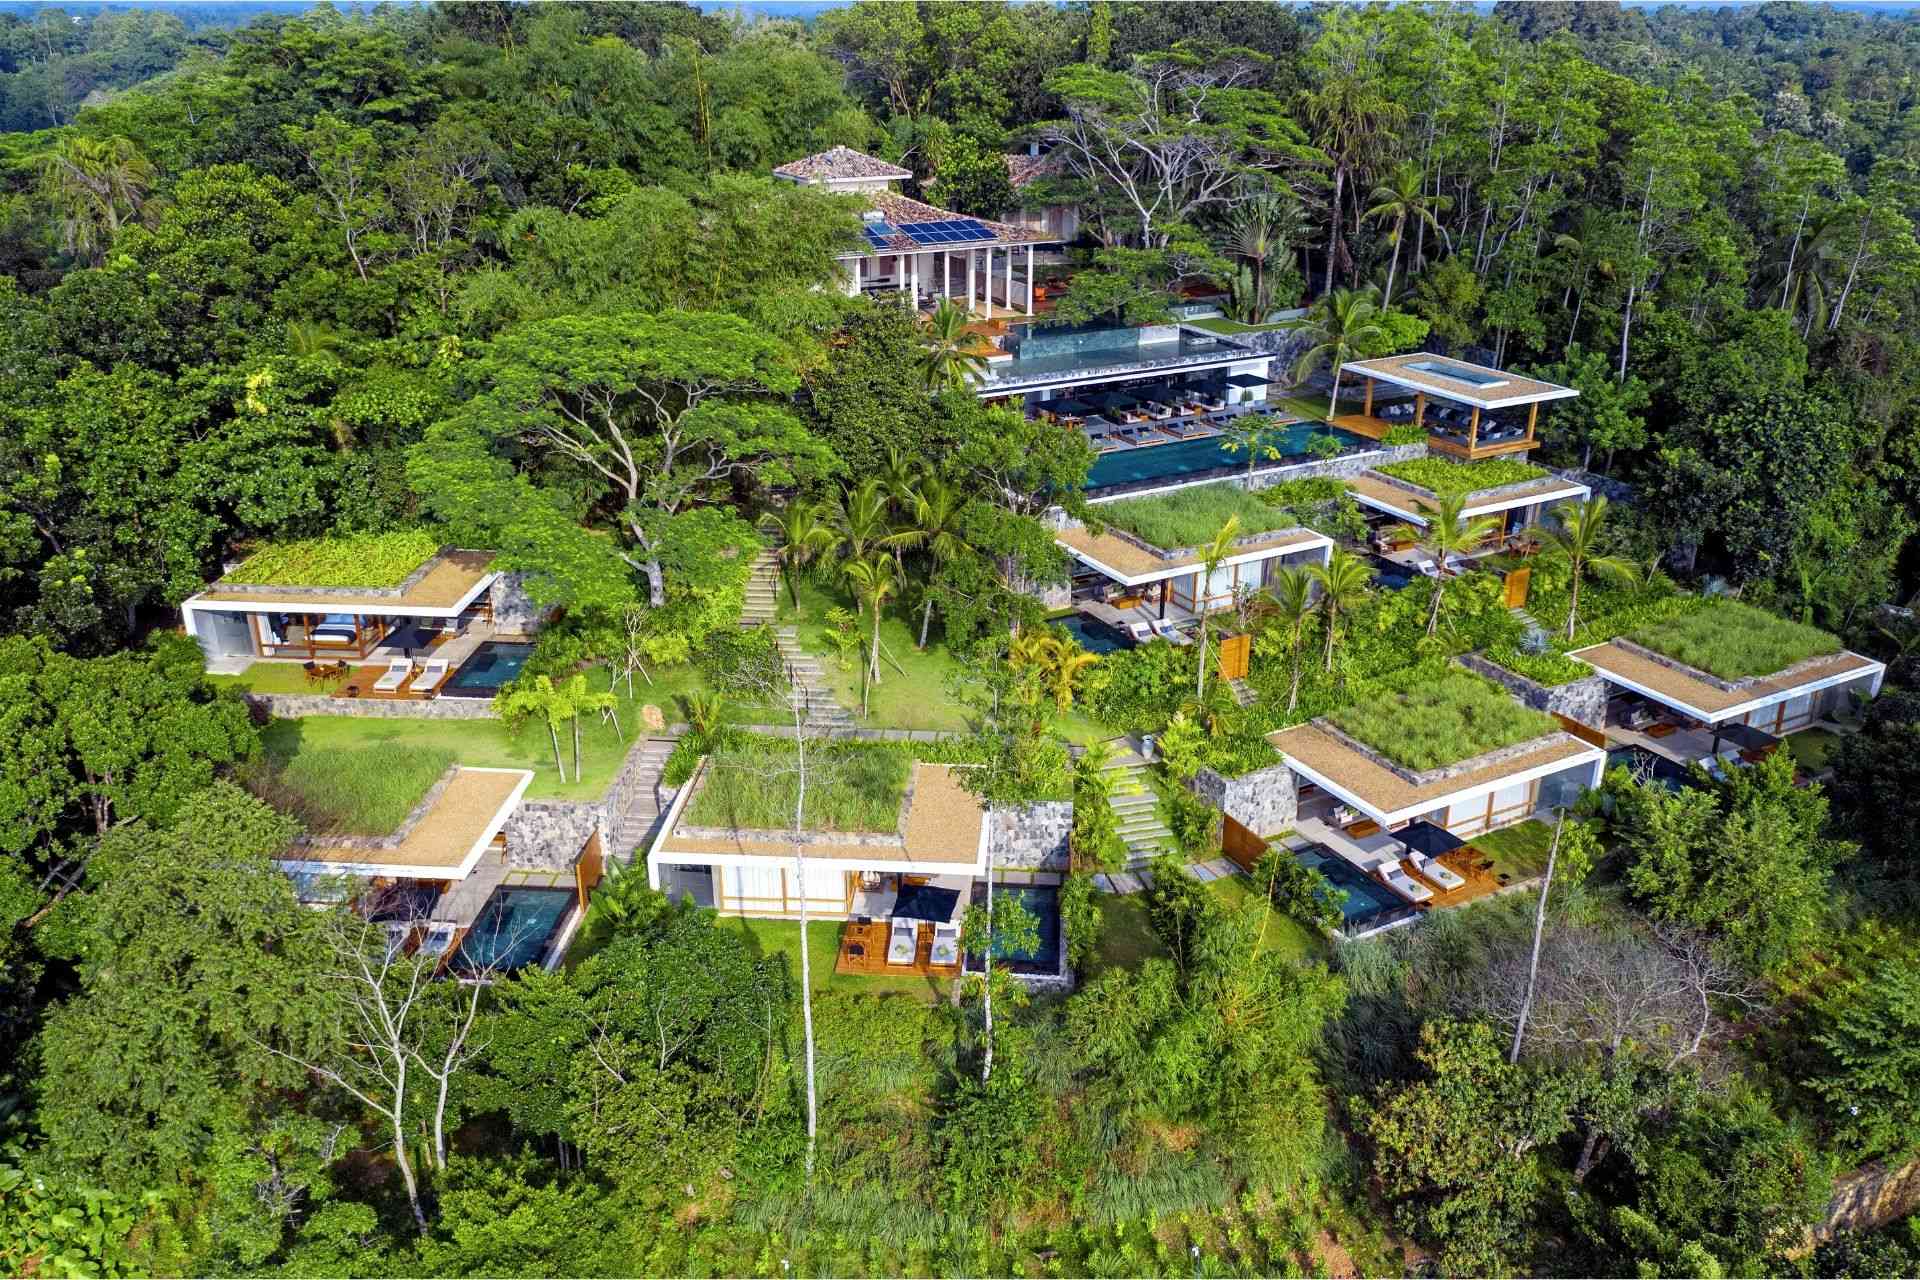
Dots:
{"x": 514, "y": 929}
{"x": 1368, "y": 903}
{"x": 1045, "y": 960}
{"x": 1146, "y": 465}
{"x": 493, "y": 664}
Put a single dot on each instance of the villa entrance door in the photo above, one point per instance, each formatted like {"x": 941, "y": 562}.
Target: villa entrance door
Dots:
{"x": 1516, "y": 587}
{"x": 1233, "y": 656}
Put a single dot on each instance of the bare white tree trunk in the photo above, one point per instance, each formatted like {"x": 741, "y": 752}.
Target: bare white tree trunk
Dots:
{"x": 806, "y": 963}
{"x": 1539, "y": 932}
{"x": 986, "y": 1064}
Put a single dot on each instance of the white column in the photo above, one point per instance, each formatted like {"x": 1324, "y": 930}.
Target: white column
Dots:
{"x": 900, "y": 269}
{"x": 987, "y": 282}
{"x": 853, "y": 278}
{"x": 1029, "y": 278}
{"x": 970, "y": 285}
{"x": 946, "y": 273}
{"x": 1009, "y": 277}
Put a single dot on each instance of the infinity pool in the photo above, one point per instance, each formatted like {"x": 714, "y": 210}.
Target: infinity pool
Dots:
{"x": 1366, "y": 902}
{"x": 1178, "y": 458}
{"x": 514, "y": 928}
{"x": 493, "y": 664}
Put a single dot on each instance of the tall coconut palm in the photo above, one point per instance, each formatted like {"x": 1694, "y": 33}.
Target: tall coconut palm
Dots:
{"x": 1446, "y": 535}
{"x": 1343, "y": 583}
{"x": 861, "y": 520}
{"x": 873, "y": 581}
{"x": 1292, "y": 610}
{"x": 95, "y": 186}
{"x": 949, "y": 355}
{"x": 1344, "y": 325}
{"x": 803, "y": 534}
{"x": 1400, "y": 198}
{"x": 1212, "y": 552}
{"x": 1575, "y": 534}
{"x": 937, "y": 506}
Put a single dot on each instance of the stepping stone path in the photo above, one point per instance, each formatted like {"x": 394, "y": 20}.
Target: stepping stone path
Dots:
{"x": 642, "y": 816}
{"x": 1137, "y": 810}
{"x": 763, "y": 591}
{"x": 1242, "y": 692}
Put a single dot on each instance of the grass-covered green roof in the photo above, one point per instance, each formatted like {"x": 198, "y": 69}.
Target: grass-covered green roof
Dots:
{"x": 372, "y": 560}
{"x": 1733, "y": 641}
{"x": 750, "y": 785}
{"x": 1449, "y": 479}
{"x": 1189, "y": 517}
{"x": 1423, "y": 719}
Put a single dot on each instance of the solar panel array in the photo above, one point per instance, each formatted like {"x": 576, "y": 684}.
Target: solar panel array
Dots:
{"x": 948, "y": 231}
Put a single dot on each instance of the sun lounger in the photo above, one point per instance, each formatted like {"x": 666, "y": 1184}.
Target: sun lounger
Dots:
{"x": 1140, "y": 631}
{"x": 397, "y": 672}
{"x": 1403, "y": 884}
{"x": 902, "y": 941}
{"x": 432, "y": 675}
{"x": 1431, "y": 870}
{"x": 1170, "y": 633}
{"x": 946, "y": 944}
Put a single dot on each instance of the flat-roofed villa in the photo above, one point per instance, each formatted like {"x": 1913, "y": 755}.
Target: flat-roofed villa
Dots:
{"x": 1725, "y": 679}
{"x": 426, "y": 620}
{"x": 1145, "y": 571}
{"x": 900, "y": 870}
{"x": 1469, "y": 410}
{"x": 1515, "y": 494}
{"x": 444, "y": 880}
{"x": 1426, "y": 763}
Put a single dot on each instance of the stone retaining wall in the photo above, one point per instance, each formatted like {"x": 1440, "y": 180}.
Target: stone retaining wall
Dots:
{"x": 1340, "y": 468}
{"x": 1582, "y": 700}
{"x": 514, "y": 611}
{"x": 291, "y": 706}
{"x": 1870, "y": 1197}
{"x": 547, "y": 835}
{"x": 1265, "y": 802}
{"x": 1034, "y": 837}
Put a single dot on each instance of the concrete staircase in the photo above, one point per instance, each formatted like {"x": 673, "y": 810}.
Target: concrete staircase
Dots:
{"x": 637, "y": 825}
{"x": 808, "y": 688}
{"x": 1243, "y": 693}
{"x": 1136, "y": 808}
{"x": 763, "y": 591}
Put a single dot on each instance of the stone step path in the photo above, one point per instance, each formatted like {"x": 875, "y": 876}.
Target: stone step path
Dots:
{"x": 1243, "y": 693}
{"x": 1136, "y": 809}
{"x": 808, "y": 689}
{"x": 763, "y": 591}
{"x": 1121, "y": 883}
{"x": 636, "y": 827}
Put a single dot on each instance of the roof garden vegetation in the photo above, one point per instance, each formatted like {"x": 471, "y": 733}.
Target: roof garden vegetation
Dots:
{"x": 372, "y": 560}
{"x": 348, "y": 790}
{"x": 1189, "y": 517}
{"x": 1451, "y": 479}
{"x": 1733, "y": 640}
{"x": 1423, "y": 719}
{"x": 1548, "y": 667}
{"x": 751, "y": 784}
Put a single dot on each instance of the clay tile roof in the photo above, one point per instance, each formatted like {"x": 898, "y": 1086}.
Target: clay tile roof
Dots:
{"x": 840, "y": 164}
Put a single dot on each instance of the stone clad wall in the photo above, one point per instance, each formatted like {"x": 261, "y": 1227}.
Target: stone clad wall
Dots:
{"x": 1583, "y": 700}
{"x": 291, "y": 706}
{"x": 1034, "y": 837}
{"x": 546, "y": 835}
{"x": 1266, "y": 801}
{"x": 514, "y": 612}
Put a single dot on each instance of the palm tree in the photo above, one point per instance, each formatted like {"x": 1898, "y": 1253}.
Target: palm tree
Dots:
{"x": 1256, "y": 435}
{"x": 1589, "y": 254}
{"x": 1401, "y": 197}
{"x": 949, "y": 355}
{"x": 1260, "y": 230}
{"x": 1216, "y": 549}
{"x": 1343, "y": 325}
{"x": 1292, "y": 609}
{"x": 519, "y": 700}
{"x": 1343, "y": 583}
{"x": 861, "y": 520}
{"x": 1448, "y": 534}
{"x": 96, "y": 186}
{"x": 803, "y": 534}
{"x": 1574, "y": 535}
{"x": 936, "y": 514}
{"x": 1058, "y": 663}
{"x": 873, "y": 582}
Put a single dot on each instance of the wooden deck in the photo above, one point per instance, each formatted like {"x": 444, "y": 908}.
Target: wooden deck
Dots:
{"x": 362, "y": 680}
{"x": 872, "y": 940}
{"x": 1363, "y": 424}
{"x": 1470, "y": 865}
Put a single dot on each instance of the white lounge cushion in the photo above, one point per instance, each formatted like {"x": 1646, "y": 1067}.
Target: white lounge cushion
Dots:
{"x": 1404, "y": 885}
{"x": 397, "y": 672}
{"x": 1443, "y": 876}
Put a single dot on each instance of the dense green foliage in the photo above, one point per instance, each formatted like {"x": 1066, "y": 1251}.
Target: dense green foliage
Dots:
{"x": 375, "y": 561}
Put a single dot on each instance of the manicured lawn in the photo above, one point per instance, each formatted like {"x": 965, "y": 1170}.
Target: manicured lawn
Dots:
{"x": 487, "y": 743}
{"x": 1451, "y": 479}
{"x": 1126, "y": 938}
{"x": 1812, "y": 748}
{"x": 1189, "y": 517}
{"x": 1431, "y": 720}
{"x": 1734, "y": 640}
{"x": 365, "y": 790}
{"x": 912, "y": 693}
{"x": 850, "y": 787}
{"x": 1518, "y": 852}
{"x": 1284, "y": 934}
{"x": 1311, "y": 404}
{"x": 782, "y": 937}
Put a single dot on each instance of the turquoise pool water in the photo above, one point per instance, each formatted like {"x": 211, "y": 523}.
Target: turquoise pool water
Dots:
{"x": 493, "y": 664}
{"x": 1044, "y": 901}
{"x": 1179, "y": 458}
{"x": 514, "y": 928}
{"x": 1094, "y": 637}
{"x": 1366, "y": 901}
